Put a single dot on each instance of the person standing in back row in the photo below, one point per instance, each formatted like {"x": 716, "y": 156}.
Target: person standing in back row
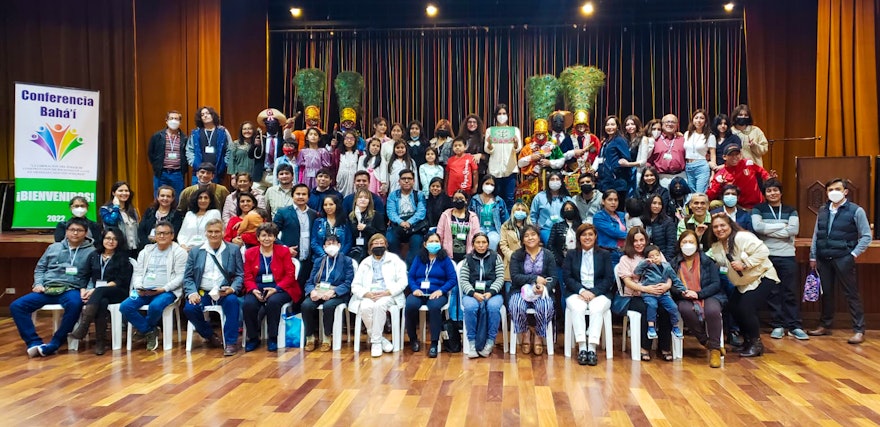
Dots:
{"x": 841, "y": 234}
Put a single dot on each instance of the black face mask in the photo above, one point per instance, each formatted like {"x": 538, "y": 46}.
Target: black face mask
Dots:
{"x": 378, "y": 251}
{"x": 443, "y": 133}
{"x": 459, "y": 204}
{"x": 570, "y": 215}
{"x": 273, "y": 127}
{"x": 558, "y": 123}
{"x": 587, "y": 189}
{"x": 742, "y": 121}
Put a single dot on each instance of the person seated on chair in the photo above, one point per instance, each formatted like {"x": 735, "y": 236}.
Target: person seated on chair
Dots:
{"x": 329, "y": 285}
{"x": 157, "y": 282}
{"x": 589, "y": 281}
{"x": 431, "y": 277}
{"x": 111, "y": 275}
{"x": 60, "y": 277}
{"x": 532, "y": 269}
{"x": 378, "y": 285}
{"x": 269, "y": 283}
{"x": 481, "y": 280}
{"x": 406, "y": 214}
{"x": 213, "y": 277}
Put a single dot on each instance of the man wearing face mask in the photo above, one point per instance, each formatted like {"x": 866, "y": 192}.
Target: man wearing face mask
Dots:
{"x": 744, "y": 174}
{"x": 166, "y": 156}
{"x": 740, "y": 216}
{"x": 754, "y": 143}
{"x": 590, "y": 200}
{"x": 841, "y": 234}
{"x": 79, "y": 206}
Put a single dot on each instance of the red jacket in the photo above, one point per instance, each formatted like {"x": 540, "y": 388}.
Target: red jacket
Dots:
{"x": 745, "y": 176}
{"x": 281, "y": 266}
{"x": 249, "y": 239}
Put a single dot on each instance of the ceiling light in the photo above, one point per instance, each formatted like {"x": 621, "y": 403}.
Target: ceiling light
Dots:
{"x": 728, "y": 7}
{"x": 587, "y": 9}
{"x": 296, "y": 12}
{"x": 431, "y": 10}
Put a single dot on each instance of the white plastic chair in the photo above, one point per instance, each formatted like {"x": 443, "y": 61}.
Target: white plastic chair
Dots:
{"x": 678, "y": 344}
{"x": 548, "y": 338}
{"x": 634, "y": 319}
{"x": 606, "y": 326}
{"x": 190, "y": 328}
{"x": 116, "y": 320}
{"x": 57, "y": 310}
{"x": 167, "y": 324}
{"x": 282, "y": 327}
{"x": 423, "y": 320}
{"x": 465, "y": 345}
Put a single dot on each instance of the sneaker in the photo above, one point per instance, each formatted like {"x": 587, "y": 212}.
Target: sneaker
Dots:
{"x": 152, "y": 338}
{"x": 251, "y": 345}
{"x": 387, "y": 347}
{"x": 34, "y": 351}
{"x": 798, "y": 333}
{"x": 376, "y": 350}
{"x": 272, "y": 345}
{"x": 472, "y": 350}
{"x": 652, "y": 333}
{"x": 677, "y": 332}
{"x": 777, "y": 333}
{"x": 487, "y": 349}
{"x": 230, "y": 350}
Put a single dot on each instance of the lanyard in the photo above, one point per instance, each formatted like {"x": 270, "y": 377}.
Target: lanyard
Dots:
{"x": 171, "y": 139}
{"x": 329, "y": 270}
{"x": 772, "y": 212}
{"x": 428, "y": 271}
{"x": 209, "y": 134}
{"x": 72, "y": 254}
{"x": 104, "y": 266}
{"x": 265, "y": 263}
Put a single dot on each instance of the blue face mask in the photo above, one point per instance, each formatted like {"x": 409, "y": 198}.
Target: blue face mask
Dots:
{"x": 730, "y": 200}
{"x": 519, "y": 215}
{"x": 433, "y": 247}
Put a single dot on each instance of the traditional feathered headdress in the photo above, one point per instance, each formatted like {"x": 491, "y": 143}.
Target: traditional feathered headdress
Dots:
{"x": 349, "y": 91}
{"x": 580, "y": 86}
{"x": 310, "y": 86}
{"x": 541, "y": 94}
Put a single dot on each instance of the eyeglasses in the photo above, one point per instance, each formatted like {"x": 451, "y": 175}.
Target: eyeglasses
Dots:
{"x": 163, "y": 233}
{"x": 76, "y": 230}
{"x": 110, "y": 239}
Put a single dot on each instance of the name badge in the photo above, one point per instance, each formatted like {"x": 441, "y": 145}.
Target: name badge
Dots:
{"x": 151, "y": 276}
{"x": 359, "y": 241}
{"x": 197, "y": 241}
{"x": 487, "y": 223}
{"x": 480, "y": 285}
{"x": 599, "y": 160}
{"x": 723, "y": 269}
{"x": 555, "y": 218}
{"x": 461, "y": 236}
{"x": 71, "y": 271}
{"x": 375, "y": 287}
{"x": 324, "y": 286}
{"x": 101, "y": 284}
{"x": 426, "y": 285}
{"x": 172, "y": 156}
{"x": 209, "y": 149}
{"x": 267, "y": 278}
{"x": 667, "y": 156}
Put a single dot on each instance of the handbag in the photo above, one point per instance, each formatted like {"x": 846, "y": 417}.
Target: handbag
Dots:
{"x": 292, "y": 329}
{"x": 812, "y": 287}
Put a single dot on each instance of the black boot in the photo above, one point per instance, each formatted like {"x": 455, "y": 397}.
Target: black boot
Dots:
{"x": 754, "y": 349}
{"x": 101, "y": 335}
{"x": 85, "y": 320}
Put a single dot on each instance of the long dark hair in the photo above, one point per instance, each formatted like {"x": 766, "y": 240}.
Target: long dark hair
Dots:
{"x": 368, "y": 156}
{"x": 717, "y": 121}
{"x": 194, "y": 200}
{"x": 121, "y": 241}
{"x": 238, "y": 201}
{"x": 643, "y": 186}
{"x": 646, "y": 216}
{"x": 127, "y": 206}
{"x": 423, "y": 252}
{"x": 155, "y": 205}
{"x": 215, "y": 117}
{"x": 407, "y": 160}
{"x": 338, "y": 216}
{"x": 636, "y": 138}
{"x": 241, "y": 138}
{"x": 619, "y": 128}
{"x": 734, "y": 228}
{"x": 563, "y": 190}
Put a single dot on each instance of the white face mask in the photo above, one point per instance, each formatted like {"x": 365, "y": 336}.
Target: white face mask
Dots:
{"x": 79, "y": 212}
{"x": 835, "y": 196}
{"x": 655, "y": 134}
{"x": 688, "y": 249}
{"x": 173, "y": 124}
{"x": 555, "y": 185}
{"x": 488, "y": 189}
{"x": 332, "y": 250}
{"x": 502, "y": 119}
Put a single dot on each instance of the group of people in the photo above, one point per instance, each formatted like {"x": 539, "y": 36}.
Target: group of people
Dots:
{"x": 324, "y": 222}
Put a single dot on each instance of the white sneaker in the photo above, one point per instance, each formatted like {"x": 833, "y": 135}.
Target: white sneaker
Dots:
{"x": 387, "y": 347}
{"x": 34, "y": 351}
{"x": 377, "y": 350}
{"x": 472, "y": 350}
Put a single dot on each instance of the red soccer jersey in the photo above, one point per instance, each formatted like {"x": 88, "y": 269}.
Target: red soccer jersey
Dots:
{"x": 461, "y": 173}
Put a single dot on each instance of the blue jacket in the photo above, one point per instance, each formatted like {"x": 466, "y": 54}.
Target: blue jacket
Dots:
{"x": 394, "y": 210}
{"x": 442, "y": 275}
{"x": 542, "y": 209}
{"x": 341, "y": 276}
{"x": 316, "y": 198}
{"x": 499, "y": 212}
{"x": 743, "y": 218}
{"x": 319, "y": 232}
{"x": 611, "y": 174}
{"x": 608, "y": 230}
{"x": 220, "y": 150}
{"x": 288, "y": 225}
{"x": 231, "y": 260}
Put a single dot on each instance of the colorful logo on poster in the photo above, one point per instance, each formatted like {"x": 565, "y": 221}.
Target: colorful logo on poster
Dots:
{"x": 58, "y": 141}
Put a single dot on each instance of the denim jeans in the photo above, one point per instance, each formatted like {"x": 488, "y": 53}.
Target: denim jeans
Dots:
{"x": 231, "y": 309}
{"x": 506, "y": 188}
{"x": 482, "y": 319}
{"x": 651, "y": 301}
{"x": 698, "y": 173}
{"x": 174, "y": 179}
{"x": 130, "y": 308}
{"x": 22, "y": 308}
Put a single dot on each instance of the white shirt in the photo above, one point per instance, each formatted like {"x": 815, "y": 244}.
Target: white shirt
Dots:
{"x": 212, "y": 276}
{"x": 587, "y": 270}
{"x": 697, "y": 145}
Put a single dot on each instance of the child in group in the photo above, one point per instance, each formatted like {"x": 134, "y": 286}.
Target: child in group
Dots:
{"x": 290, "y": 158}
{"x": 372, "y": 162}
{"x": 655, "y": 270}
{"x": 430, "y": 169}
{"x": 313, "y": 158}
{"x": 400, "y": 160}
{"x": 249, "y": 223}
{"x": 388, "y": 146}
{"x": 461, "y": 170}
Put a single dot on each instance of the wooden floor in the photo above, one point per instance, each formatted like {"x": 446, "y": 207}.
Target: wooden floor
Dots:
{"x": 819, "y": 382}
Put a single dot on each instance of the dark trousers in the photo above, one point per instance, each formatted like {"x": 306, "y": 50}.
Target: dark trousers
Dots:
{"x": 842, "y": 270}
{"x": 435, "y": 317}
{"x": 783, "y": 300}
{"x": 664, "y": 328}
{"x": 396, "y": 235}
{"x": 251, "y": 312}
{"x": 195, "y": 313}
{"x": 102, "y": 297}
{"x": 745, "y": 308}
{"x": 708, "y": 331}
{"x": 310, "y": 313}
{"x": 302, "y": 275}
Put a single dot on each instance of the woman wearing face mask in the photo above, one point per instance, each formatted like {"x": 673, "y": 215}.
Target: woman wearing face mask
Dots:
{"x": 502, "y": 143}
{"x": 491, "y": 211}
{"x": 120, "y": 212}
{"x": 754, "y": 143}
{"x": 431, "y": 277}
{"x": 741, "y": 216}
{"x": 745, "y": 260}
{"x": 723, "y": 137}
{"x": 562, "y": 235}
{"x": 79, "y": 206}
{"x": 237, "y": 159}
{"x": 437, "y": 201}
{"x": 481, "y": 280}
{"x": 415, "y": 143}
{"x": 457, "y": 227}
{"x": 162, "y": 209}
{"x": 377, "y": 286}
{"x": 547, "y": 205}
{"x": 442, "y": 141}
{"x": 511, "y": 236}
{"x": 700, "y": 306}
{"x": 329, "y": 285}
{"x": 364, "y": 221}
{"x": 610, "y": 225}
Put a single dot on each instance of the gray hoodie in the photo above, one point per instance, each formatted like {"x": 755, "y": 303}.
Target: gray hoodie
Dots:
{"x": 52, "y": 266}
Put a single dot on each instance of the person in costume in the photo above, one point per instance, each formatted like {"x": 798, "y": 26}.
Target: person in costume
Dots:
{"x": 310, "y": 85}
{"x": 267, "y": 148}
{"x": 349, "y": 87}
{"x": 579, "y": 85}
{"x": 539, "y": 152}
